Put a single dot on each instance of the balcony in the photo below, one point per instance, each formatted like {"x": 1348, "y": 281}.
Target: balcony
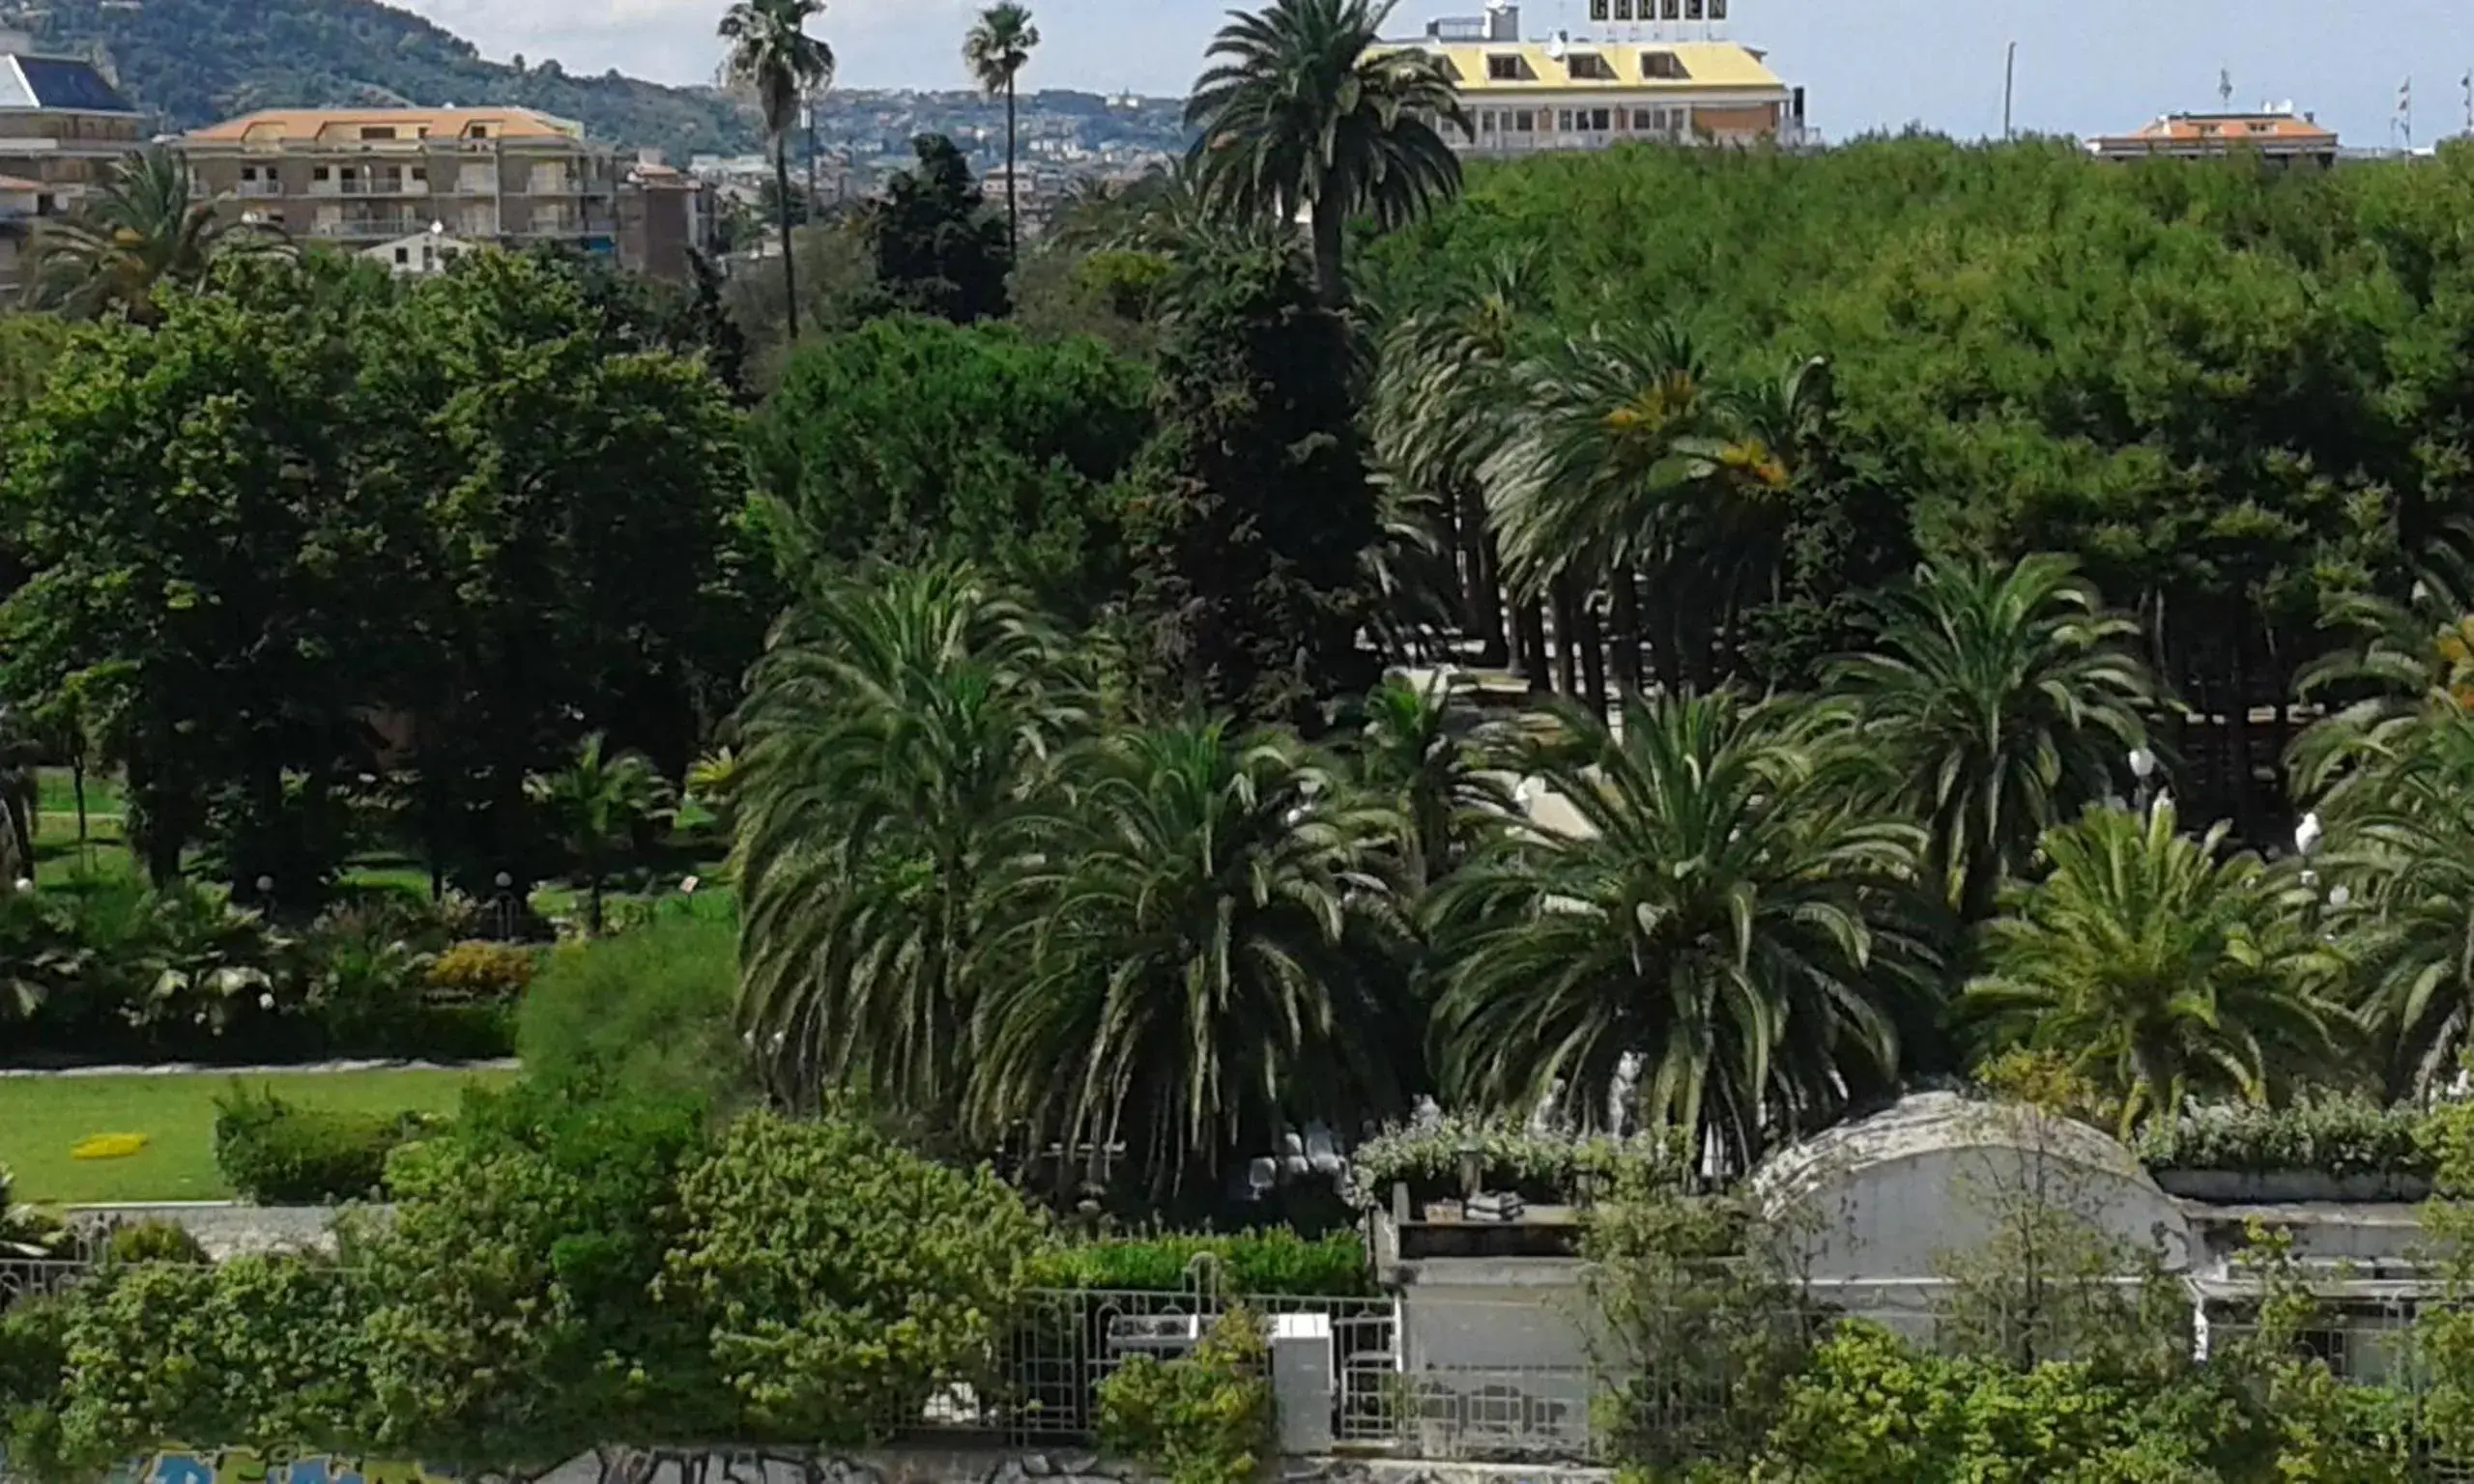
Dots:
{"x": 259, "y": 189}
{"x": 370, "y": 227}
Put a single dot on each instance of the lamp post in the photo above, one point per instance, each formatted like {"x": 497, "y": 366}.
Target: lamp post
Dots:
{"x": 2142, "y": 770}
{"x": 505, "y": 884}
{"x": 1473, "y": 1172}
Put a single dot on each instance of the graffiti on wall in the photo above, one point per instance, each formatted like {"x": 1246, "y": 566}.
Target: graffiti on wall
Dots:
{"x": 240, "y": 1465}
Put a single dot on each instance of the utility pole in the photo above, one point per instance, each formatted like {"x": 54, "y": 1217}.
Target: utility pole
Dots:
{"x": 2009, "y": 90}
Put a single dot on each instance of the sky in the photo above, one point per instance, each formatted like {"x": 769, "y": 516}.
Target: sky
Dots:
{"x": 2085, "y": 66}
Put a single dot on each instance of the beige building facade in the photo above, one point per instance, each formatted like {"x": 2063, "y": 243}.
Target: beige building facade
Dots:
{"x": 64, "y": 129}
{"x": 361, "y": 179}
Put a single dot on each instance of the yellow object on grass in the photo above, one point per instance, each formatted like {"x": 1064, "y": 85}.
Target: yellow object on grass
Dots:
{"x": 107, "y": 1146}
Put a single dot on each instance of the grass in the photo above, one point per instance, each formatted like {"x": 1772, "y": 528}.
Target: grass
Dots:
{"x": 42, "y": 1118}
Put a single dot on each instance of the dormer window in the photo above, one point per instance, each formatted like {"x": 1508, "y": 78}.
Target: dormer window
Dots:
{"x": 1505, "y": 66}
{"x": 1590, "y": 67}
{"x": 1664, "y": 67}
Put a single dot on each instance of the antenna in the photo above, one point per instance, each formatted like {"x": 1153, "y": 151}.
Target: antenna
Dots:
{"x": 2225, "y": 88}
{"x": 2009, "y": 90}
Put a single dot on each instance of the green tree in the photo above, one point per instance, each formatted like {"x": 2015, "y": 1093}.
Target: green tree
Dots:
{"x": 143, "y": 228}
{"x": 912, "y": 440}
{"x": 1999, "y": 699}
{"x": 2157, "y": 969}
{"x": 897, "y": 720}
{"x": 1304, "y": 112}
{"x": 1194, "y": 955}
{"x": 601, "y": 805}
{"x": 1253, "y": 510}
{"x": 996, "y": 50}
{"x": 904, "y": 1278}
{"x": 2401, "y": 849}
{"x": 1427, "y": 756}
{"x": 514, "y": 1320}
{"x": 772, "y": 54}
{"x": 220, "y": 635}
{"x": 1709, "y": 909}
{"x": 938, "y": 250}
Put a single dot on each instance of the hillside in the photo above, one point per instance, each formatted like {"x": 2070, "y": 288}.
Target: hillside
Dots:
{"x": 196, "y": 60}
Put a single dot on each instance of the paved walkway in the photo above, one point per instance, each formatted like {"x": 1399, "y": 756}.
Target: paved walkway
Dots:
{"x": 193, "y": 1069}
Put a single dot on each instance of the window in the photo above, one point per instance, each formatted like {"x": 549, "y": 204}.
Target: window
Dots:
{"x": 1664, "y": 67}
{"x": 321, "y": 173}
{"x": 1485, "y": 121}
{"x": 1500, "y": 69}
{"x": 378, "y": 132}
{"x": 1590, "y": 66}
{"x": 482, "y": 130}
{"x": 1597, "y": 120}
{"x": 403, "y": 255}
{"x": 1521, "y": 121}
{"x": 1641, "y": 122}
{"x": 1564, "y": 121}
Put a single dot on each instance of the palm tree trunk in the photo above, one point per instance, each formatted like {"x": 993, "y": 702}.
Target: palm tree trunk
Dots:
{"x": 1567, "y": 624}
{"x": 1486, "y": 590}
{"x": 1587, "y": 633}
{"x": 1329, "y": 224}
{"x": 1626, "y": 623}
{"x": 1528, "y": 643}
{"x": 1013, "y": 214}
{"x": 592, "y": 906}
{"x": 782, "y": 199}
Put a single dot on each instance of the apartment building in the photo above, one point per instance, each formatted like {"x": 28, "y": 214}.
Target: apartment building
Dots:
{"x": 64, "y": 129}
{"x": 2276, "y": 134}
{"x": 1658, "y": 70}
{"x": 375, "y": 178}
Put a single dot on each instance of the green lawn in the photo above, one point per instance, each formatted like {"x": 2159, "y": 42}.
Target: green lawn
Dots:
{"x": 42, "y": 1118}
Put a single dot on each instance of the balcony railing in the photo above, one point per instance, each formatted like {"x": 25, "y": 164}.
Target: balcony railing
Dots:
{"x": 370, "y": 226}
{"x": 259, "y": 189}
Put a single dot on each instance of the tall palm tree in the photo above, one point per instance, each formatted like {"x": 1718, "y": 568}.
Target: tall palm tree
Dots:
{"x": 2156, "y": 969}
{"x": 1427, "y": 756}
{"x": 1999, "y": 700}
{"x": 599, "y": 802}
{"x": 772, "y": 54}
{"x": 996, "y": 51}
{"x": 146, "y": 226}
{"x": 1304, "y": 114}
{"x": 1750, "y": 936}
{"x": 2411, "y": 651}
{"x": 1444, "y": 405}
{"x": 895, "y": 723}
{"x": 2400, "y": 842}
{"x": 1194, "y": 955}
{"x": 1600, "y": 487}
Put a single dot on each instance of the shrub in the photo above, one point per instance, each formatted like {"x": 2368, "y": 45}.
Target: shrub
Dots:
{"x": 842, "y": 1278}
{"x": 155, "y": 1241}
{"x": 1550, "y": 1166}
{"x": 649, "y": 1010}
{"x": 1274, "y": 1262}
{"x": 1201, "y": 1419}
{"x": 277, "y": 1153}
{"x": 2332, "y": 1133}
{"x": 484, "y": 971}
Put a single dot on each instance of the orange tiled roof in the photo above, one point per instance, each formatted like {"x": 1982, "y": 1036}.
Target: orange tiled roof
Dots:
{"x": 280, "y": 126}
{"x": 2207, "y": 129}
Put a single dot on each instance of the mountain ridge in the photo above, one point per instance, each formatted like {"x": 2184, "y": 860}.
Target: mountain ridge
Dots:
{"x": 194, "y": 62}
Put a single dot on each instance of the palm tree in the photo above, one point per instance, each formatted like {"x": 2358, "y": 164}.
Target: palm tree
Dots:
{"x": 1444, "y": 405}
{"x": 1602, "y": 485}
{"x": 2401, "y": 845}
{"x": 996, "y": 51}
{"x": 1750, "y": 938}
{"x": 1304, "y": 114}
{"x": 772, "y": 54}
{"x": 599, "y": 804}
{"x": 895, "y": 724}
{"x": 1999, "y": 700}
{"x": 2155, "y": 969}
{"x": 2411, "y": 653}
{"x": 1425, "y": 755}
{"x": 1194, "y": 954}
{"x": 146, "y": 226}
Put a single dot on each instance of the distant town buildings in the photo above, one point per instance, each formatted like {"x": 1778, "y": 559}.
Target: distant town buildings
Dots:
{"x": 2277, "y": 133}
{"x": 64, "y": 128}
{"x": 391, "y": 182}
{"x": 1660, "y": 73}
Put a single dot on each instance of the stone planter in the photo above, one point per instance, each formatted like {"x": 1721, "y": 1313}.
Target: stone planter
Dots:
{"x": 2276, "y": 1187}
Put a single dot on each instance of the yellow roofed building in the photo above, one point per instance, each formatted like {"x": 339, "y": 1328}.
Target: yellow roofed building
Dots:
{"x": 1669, "y": 79}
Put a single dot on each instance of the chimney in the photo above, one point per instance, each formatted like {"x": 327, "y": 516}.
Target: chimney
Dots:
{"x": 1503, "y": 22}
